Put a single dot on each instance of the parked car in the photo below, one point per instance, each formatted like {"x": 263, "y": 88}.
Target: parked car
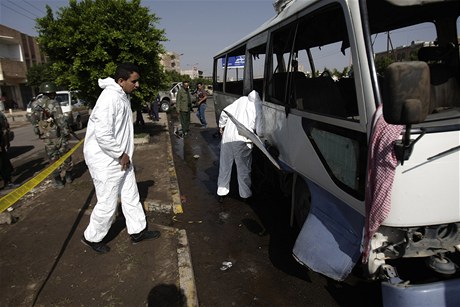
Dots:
{"x": 168, "y": 98}
{"x": 209, "y": 89}
{"x": 71, "y": 104}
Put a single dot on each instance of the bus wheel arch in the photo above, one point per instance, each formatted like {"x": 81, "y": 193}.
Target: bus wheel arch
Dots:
{"x": 300, "y": 202}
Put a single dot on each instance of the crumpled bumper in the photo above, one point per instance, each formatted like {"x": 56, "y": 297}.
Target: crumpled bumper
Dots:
{"x": 440, "y": 294}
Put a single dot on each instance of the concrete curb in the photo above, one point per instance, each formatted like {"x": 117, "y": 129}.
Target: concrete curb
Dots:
{"x": 174, "y": 188}
{"x": 186, "y": 275}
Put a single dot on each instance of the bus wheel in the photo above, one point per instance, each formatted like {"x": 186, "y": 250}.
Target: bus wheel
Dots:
{"x": 301, "y": 200}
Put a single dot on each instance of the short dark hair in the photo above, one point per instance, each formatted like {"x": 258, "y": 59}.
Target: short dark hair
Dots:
{"x": 199, "y": 83}
{"x": 124, "y": 71}
{"x": 185, "y": 81}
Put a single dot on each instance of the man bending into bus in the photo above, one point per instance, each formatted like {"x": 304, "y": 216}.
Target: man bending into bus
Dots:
{"x": 235, "y": 147}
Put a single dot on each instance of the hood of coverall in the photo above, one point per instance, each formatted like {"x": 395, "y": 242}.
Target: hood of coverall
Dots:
{"x": 254, "y": 97}
{"x": 244, "y": 111}
{"x": 110, "y": 84}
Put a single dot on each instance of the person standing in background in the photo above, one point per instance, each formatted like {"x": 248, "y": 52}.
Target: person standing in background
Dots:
{"x": 6, "y": 168}
{"x": 201, "y": 103}
{"x": 154, "y": 105}
{"x": 184, "y": 105}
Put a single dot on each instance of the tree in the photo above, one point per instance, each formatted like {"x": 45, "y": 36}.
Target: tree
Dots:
{"x": 38, "y": 74}
{"x": 171, "y": 76}
{"x": 382, "y": 62}
{"x": 86, "y": 41}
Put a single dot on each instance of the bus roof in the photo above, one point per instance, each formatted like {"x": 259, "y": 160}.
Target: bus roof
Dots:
{"x": 290, "y": 9}
{"x": 295, "y": 6}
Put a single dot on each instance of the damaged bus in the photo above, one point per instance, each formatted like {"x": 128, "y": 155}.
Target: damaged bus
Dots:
{"x": 361, "y": 115}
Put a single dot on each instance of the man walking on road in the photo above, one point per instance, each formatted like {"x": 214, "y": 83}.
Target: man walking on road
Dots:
{"x": 108, "y": 151}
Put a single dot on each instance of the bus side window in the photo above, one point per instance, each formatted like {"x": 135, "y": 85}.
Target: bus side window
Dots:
{"x": 320, "y": 95}
{"x": 445, "y": 89}
{"x": 258, "y": 65}
{"x": 348, "y": 92}
{"x": 235, "y": 71}
{"x": 219, "y": 74}
{"x": 283, "y": 73}
{"x": 324, "y": 45}
{"x": 280, "y": 80}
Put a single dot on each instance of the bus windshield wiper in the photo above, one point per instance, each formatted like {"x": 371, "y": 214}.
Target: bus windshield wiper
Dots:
{"x": 446, "y": 152}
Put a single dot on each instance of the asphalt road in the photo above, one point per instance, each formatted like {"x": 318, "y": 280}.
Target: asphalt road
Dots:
{"x": 256, "y": 238}
{"x": 27, "y": 152}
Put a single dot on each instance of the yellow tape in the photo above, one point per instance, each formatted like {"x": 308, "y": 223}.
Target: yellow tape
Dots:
{"x": 12, "y": 197}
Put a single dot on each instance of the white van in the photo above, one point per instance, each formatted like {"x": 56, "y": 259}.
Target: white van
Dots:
{"x": 70, "y": 103}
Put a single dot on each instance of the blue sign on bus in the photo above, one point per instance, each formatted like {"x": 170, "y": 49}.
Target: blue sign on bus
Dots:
{"x": 234, "y": 61}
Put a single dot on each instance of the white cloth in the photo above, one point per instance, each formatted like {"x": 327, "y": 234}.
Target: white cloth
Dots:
{"x": 109, "y": 134}
{"x": 235, "y": 147}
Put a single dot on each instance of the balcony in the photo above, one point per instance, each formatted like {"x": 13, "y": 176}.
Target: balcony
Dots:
{"x": 12, "y": 71}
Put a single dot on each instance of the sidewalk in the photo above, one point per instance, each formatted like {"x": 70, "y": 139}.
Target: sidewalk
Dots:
{"x": 43, "y": 262}
{"x": 15, "y": 116}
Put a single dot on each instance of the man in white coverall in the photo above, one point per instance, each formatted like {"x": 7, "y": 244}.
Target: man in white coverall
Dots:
{"x": 108, "y": 151}
{"x": 235, "y": 147}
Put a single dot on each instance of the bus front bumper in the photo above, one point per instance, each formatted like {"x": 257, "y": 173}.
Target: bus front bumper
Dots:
{"x": 441, "y": 294}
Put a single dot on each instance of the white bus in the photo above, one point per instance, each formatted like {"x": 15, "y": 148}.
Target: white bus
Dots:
{"x": 364, "y": 191}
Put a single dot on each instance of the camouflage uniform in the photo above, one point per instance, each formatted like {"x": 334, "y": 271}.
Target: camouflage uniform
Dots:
{"x": 5, "y": 165}
{"x": 52, "y": 127}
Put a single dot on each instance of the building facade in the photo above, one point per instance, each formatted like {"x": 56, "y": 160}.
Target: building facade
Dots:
{"x": 170, "y": 61}
{"x": 18, "y": 52}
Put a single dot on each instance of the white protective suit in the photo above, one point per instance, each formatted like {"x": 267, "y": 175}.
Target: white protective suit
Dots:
{"x": 110, "y": 133}
{"x": 235, "y": 147}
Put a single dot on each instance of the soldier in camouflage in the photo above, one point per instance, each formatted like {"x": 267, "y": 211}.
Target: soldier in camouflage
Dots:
{"x": 6, "y": 168}
{"x": 52, "y": 127}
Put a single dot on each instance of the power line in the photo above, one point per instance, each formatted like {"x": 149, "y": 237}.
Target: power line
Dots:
{"x": 17, "y": 5}
{"x": 38, "y": 9}
{"x": 17, "y": 11}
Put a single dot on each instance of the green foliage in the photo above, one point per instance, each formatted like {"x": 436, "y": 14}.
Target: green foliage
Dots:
{"x": 170, "y": 77}
{"x": 38, "y": 74}
{"x": 382, "y": 62}
{"x": 87, "y": 39}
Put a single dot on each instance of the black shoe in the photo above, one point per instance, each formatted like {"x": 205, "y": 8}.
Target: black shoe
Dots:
{"x": 68, "y": 178}
{"x": 144, "y": 235}
{"x": 221, "y": 198}
{"x": 98, "y": 247}
{"x": 58, "y": 184}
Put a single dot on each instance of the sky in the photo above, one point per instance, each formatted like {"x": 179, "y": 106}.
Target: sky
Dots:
{"x": 196, "y": 29}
